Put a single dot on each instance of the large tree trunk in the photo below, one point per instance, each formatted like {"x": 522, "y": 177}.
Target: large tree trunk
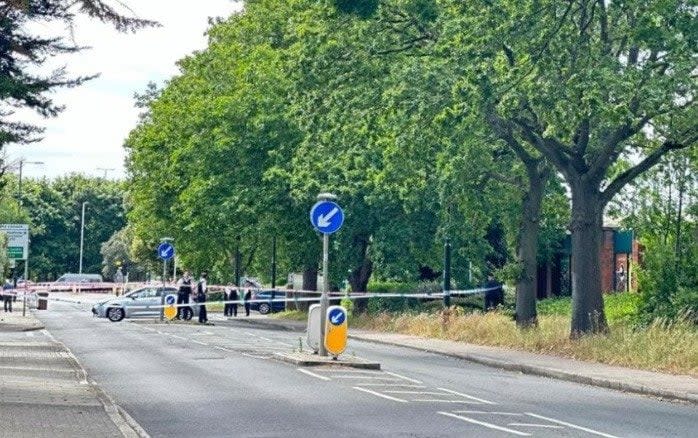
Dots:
{"x": 527, "y": 252}
{"x": 587, "y": 300}
{"x": 359, "y": 277}
{"x": 309, "y": 283}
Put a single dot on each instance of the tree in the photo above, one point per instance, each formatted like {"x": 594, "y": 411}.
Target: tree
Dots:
{"x": 23, "y": 51}
{"x": 583, "y": 83}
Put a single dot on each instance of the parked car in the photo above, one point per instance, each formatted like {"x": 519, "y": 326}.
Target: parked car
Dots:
{"x": 132, "y": 305}
{"x": 79, "y": 278}
{"x": 268, "y": 307}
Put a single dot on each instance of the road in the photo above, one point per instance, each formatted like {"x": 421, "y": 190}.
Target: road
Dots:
{"x": 223, "y": 380}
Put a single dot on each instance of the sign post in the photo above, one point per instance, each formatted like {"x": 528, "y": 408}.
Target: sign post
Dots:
{"x": 18, "y": 249}
{"x": 326, "y": 217}
{"x": 165, "y": 251}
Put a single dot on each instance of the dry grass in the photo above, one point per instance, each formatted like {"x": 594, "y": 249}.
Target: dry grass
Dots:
{"x": 660, "y": 347}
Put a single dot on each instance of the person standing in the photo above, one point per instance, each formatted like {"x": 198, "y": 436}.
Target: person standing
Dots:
{"x": 183, "y": 292}
{"x": 494, "y": 295}
{"x": 234, "y": 296}
{"x": 201, "y": 290}
{"x": 248, "y": 297}
{"x": 7, "y": 296}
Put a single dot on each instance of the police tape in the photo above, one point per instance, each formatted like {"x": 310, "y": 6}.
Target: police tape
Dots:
{"x": 285, "y": 299}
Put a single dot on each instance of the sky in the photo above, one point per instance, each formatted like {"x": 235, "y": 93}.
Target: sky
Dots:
{"x": 87, "y": 137}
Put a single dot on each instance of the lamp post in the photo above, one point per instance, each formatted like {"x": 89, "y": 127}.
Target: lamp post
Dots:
{"x": 22, "y": 162}
{"x": 82, "y": 234}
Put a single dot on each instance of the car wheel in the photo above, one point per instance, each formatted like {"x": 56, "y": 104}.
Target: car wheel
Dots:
{"x": 115, "y": 314}
{"x": 264, "y": 308}
{"x": 187, "y": 313}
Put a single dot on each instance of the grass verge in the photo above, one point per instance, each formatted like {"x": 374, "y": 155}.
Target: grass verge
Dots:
{"x": 665, "y": 347}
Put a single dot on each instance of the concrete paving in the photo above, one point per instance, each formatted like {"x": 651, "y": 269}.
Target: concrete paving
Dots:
{"x": 45, "y": 393}
{"x": 224, "y": 380}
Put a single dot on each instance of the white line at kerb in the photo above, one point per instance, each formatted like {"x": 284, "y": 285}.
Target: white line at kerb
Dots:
{"x": 317, "y": 376}
{"x": 468, "y": 396}
{"x": 379, "y": 394}
{"x": 484, "y": 424}
{"x": 573, "y": 426}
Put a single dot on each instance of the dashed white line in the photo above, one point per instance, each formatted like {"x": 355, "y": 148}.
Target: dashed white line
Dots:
{"x": 484, "y": 424}
{"x": 438, "y": 400}
{"x": 379, "y": 394}
{"x": 403, "y": 377}
{"x": 549, "y": 426}
{"x": 199, "y": 342}
{"x": 468, "y": 396}
{"x": 573, "y": 426}
{"x": 317, "y": 376}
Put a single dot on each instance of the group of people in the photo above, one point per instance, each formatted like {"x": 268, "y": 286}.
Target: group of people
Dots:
{"x": 186, "y": 288}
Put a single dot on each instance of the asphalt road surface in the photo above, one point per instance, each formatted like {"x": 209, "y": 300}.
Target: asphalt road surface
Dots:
{"x": 223, "y": 380}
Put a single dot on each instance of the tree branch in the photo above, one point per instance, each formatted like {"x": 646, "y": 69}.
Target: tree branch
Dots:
{"x": 624, "y": 178}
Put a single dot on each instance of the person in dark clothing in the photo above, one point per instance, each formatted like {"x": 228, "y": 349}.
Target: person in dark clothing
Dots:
{"x": 494, "y": 296}
{"x": 7, "y": 297}
{"x": 201, "y": 289}
{"x": 183, "y": 292}
{"x": 248, "y": 297}
{"x": 233, "y": 296}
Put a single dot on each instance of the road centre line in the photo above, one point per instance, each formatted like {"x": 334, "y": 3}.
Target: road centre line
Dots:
{"x": 573, "y": 426}
{"x": 484, "y": 424}
{"x": 414, "y": 392}
{"x": 317, "y": 376}
{"x": 379, "y": 394}
{"x": 549, "y": 426}
{"x": 403, "y": 377}
{"x": 513, "y": 414}
{"x": 468, "y": 396}
{"x": 437, "y": 400}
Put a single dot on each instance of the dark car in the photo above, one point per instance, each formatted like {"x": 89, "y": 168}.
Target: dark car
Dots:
{"x": 268, "y": 307}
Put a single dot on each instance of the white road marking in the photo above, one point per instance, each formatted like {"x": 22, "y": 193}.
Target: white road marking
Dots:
{"x": 379, "y": 394}
{"x": 30, "y": 334}
{"x": 468, "y": 396}
{"x": 438, "y": 400}
{"x": 573, "y": 426}
{"x": 199, "y": 342}
{"x": 549, "y": 426}
{"x": 341, "y": 376}
{"x": 178, "y": 337}
{"x": 340, "y": 370}
{"x": 221, "y": 348}
{"x": 313, "y": 374}
{"x": 396, "y": 385}
{"x": 403, "y": 377}
{"x": 514, "y": 414}
{"x": 482, "y": 423}
{"x": 414, "y": 392}
{"x": 253, "y": 356}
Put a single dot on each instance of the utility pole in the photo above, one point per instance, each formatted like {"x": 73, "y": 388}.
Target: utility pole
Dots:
{"x": 447, "y": 274}
{"x": 82, "y": 234}
{"x": 21, "y": 163}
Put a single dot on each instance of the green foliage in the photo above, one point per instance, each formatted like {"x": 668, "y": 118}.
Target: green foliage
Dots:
{"x": 618, "y": 307}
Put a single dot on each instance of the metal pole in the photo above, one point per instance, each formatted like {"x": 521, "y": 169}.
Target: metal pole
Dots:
{"x": 162, "y": 295}
{"x": 26, "y": 285}
{"x": 447, "y": 274}
{"x": 82, "y": 234}
{"x": 273, "y": 262}
{"x": 237, "y": 261}
{"x": 325, "y": 288}
{"x": 19, "y": 187}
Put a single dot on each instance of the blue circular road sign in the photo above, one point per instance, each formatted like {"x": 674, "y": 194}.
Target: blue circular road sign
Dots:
{"x": 170, "y": 299}
{"x": 326, "y": 216}
{"x": 166, "y": 251}
{"x": 337, "y": 316}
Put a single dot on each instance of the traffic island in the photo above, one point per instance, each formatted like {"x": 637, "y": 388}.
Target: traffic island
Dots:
{"x": 15, "y": 322}
{"x": 312, "y": 360}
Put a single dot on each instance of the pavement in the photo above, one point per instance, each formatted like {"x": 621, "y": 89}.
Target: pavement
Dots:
{"x": 44, "y": 392}
{"x": 662, "y": 385}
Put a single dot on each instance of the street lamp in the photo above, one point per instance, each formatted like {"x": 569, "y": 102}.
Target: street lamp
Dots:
{"x": 82, "y": 234}
{"x": 22, "y": 162}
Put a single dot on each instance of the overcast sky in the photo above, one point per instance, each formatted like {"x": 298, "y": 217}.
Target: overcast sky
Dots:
{"x": 89, "y": 134}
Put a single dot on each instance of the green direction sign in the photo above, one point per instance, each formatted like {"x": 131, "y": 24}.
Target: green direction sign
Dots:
{"x": 15, "y": 252}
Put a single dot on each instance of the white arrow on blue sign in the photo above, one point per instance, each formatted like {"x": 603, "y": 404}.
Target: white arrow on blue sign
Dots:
{"x": 170, "y": 299}
{"x": 337, "y": 316}
{"x": 166, "y": 251}
{"x": 326, "y": 216}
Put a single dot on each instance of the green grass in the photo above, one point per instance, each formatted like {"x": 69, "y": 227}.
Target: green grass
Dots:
{"x": 618, "y": 307}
